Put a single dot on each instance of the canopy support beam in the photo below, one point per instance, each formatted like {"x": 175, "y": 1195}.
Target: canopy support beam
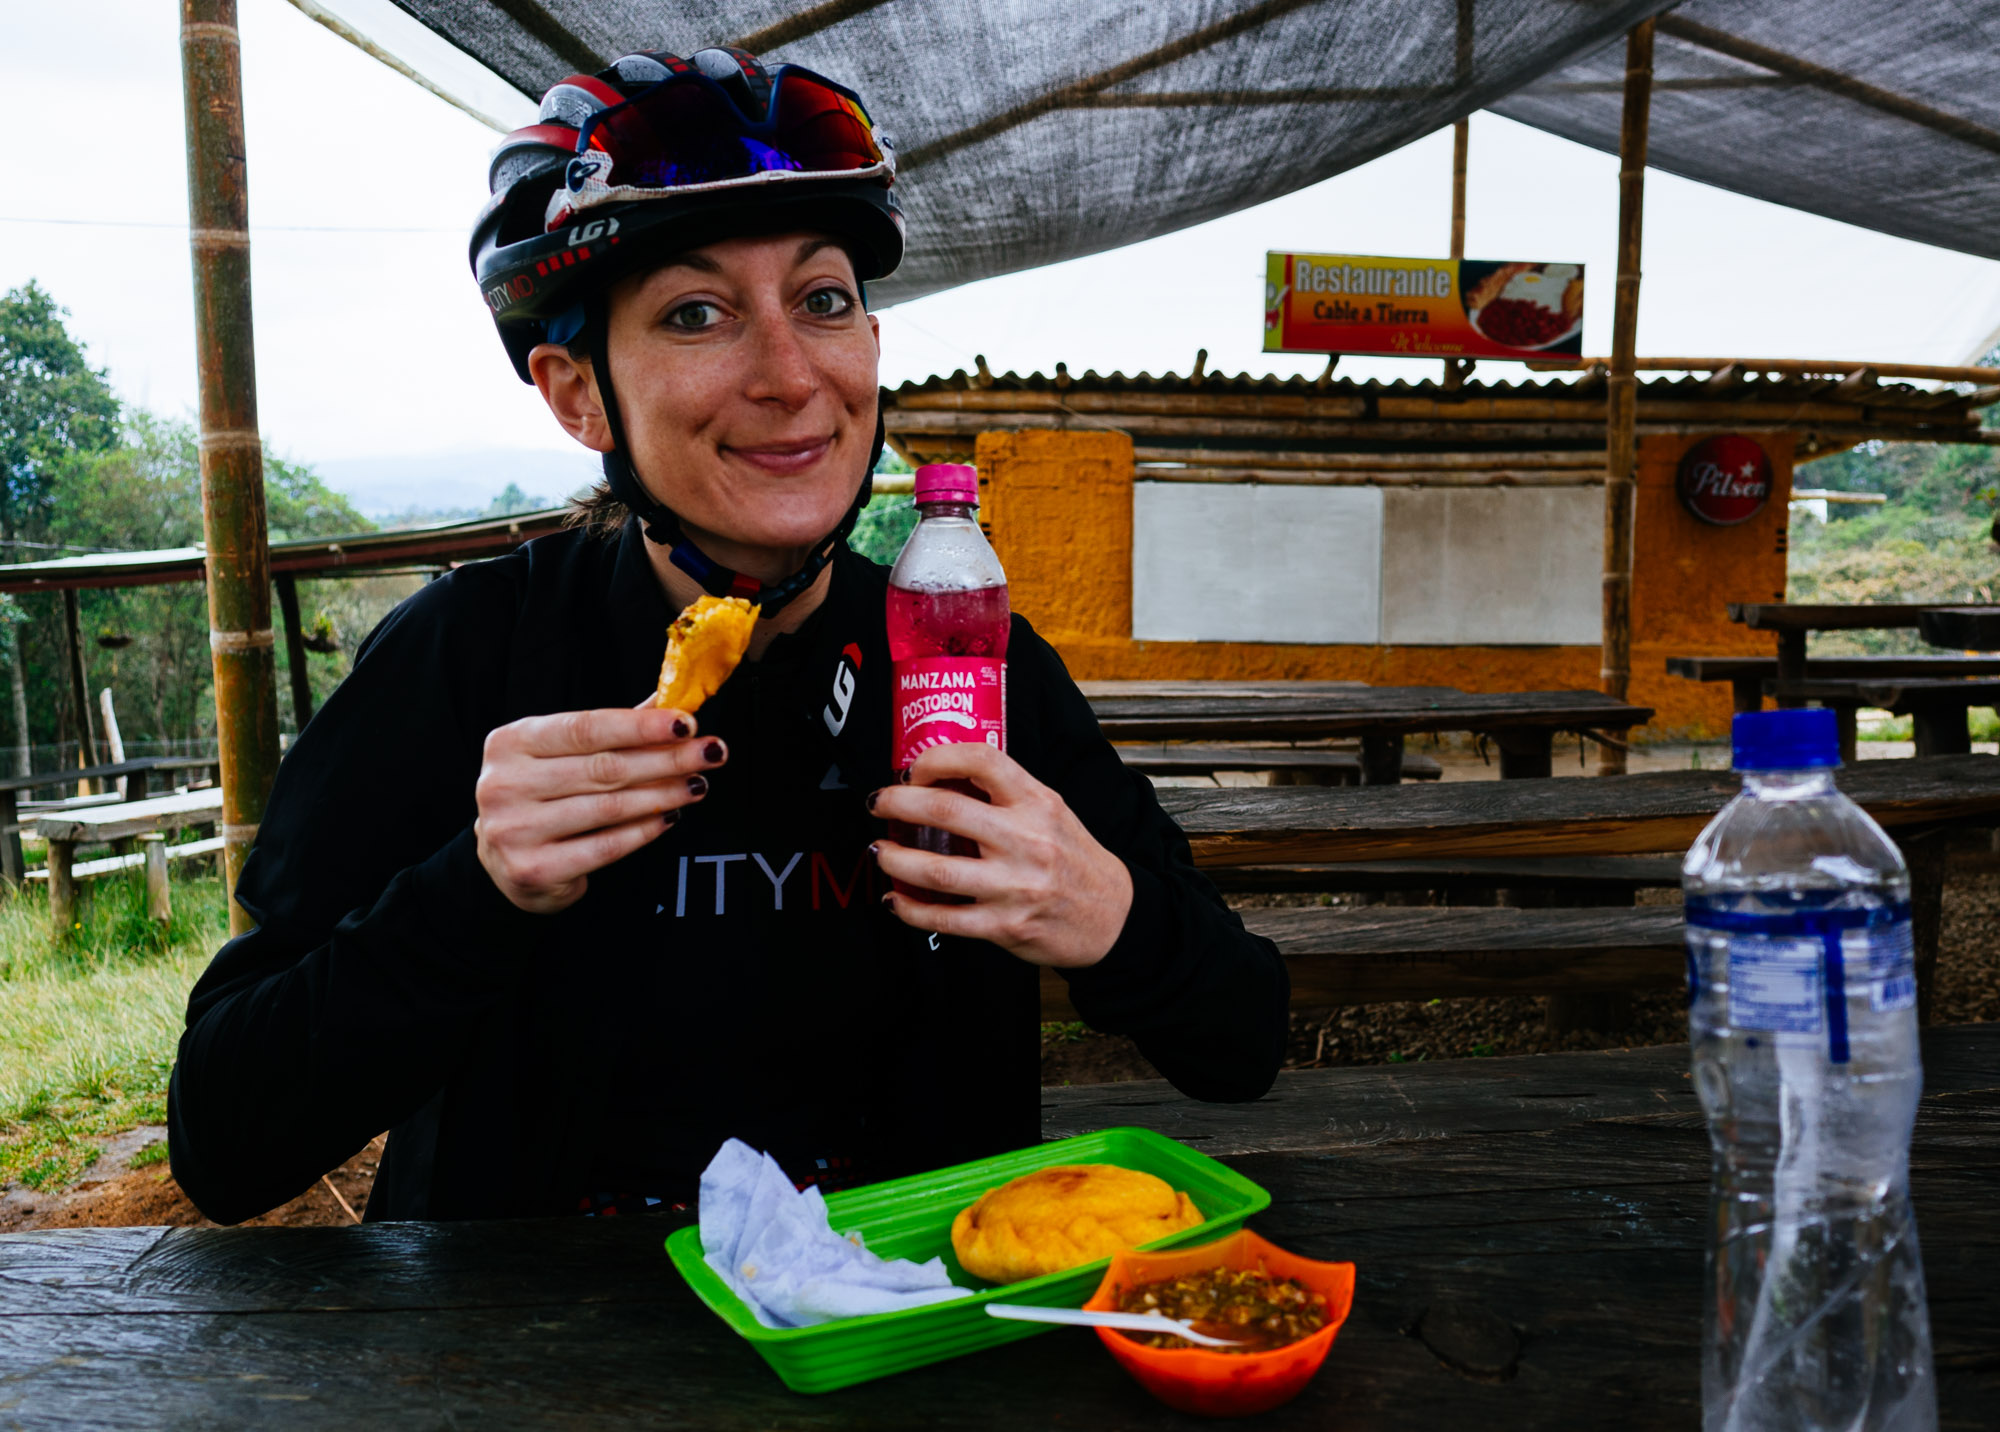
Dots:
{"x": 232, "y": 452}
{"x": 295, "y": 649}
{"x": 1622, "y": 385}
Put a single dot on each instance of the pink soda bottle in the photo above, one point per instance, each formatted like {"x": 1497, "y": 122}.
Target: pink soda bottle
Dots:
{"x": 948, "y": 618}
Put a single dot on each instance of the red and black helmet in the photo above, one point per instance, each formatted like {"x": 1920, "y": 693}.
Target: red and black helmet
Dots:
{"x": 657, "y": 151}
{"x": 662, "y": 154}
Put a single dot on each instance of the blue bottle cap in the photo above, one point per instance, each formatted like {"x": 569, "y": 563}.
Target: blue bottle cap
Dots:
{"x": 1785, "y": 740}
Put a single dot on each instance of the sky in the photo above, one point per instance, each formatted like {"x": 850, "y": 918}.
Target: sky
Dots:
{"x": 377, "y": 364}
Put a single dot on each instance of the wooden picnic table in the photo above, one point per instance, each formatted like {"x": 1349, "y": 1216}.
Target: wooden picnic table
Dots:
{"x": 136, "y": 773}
{"x": 93, "y": 825}
{"x": 1795, "y": 621}
{"x": 1523, "y": 724}
{"x": 1527, "y": 1235}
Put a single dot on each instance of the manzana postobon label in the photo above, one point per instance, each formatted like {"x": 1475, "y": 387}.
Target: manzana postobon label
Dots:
{"x": 1443, "y": 308}
{"x": 941, "y": 700}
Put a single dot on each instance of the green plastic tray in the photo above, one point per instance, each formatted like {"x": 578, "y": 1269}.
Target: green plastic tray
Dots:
{"x": 911, "y": 1218}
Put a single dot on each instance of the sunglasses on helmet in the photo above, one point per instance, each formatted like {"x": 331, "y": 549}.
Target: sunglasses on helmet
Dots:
{"x": 687, "y": 132}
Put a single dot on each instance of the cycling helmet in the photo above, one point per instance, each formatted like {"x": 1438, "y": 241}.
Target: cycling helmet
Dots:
{"x": 653, "y": 154}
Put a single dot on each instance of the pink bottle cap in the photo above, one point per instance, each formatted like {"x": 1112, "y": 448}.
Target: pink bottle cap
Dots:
{"x": 947, "y": 482}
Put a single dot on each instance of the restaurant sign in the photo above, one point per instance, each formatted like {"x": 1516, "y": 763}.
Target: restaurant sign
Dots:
{"x": 1435, "y": 308}
{"x": 1725, "y": 480}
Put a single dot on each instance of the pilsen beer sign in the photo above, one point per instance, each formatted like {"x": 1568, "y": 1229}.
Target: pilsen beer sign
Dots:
{"x": 1421, "y": 308}
{"x": 1725, "y": 480}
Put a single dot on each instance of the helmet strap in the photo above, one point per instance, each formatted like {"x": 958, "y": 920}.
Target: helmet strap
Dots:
{"x": 663, "y": 527}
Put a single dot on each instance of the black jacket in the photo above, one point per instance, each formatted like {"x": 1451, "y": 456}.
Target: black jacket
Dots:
{"x": 738, "y": 976}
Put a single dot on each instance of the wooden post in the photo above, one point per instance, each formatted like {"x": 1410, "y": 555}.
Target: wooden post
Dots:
{"x": 1461, "y": 136}
{"x": 1382, "y": 759}
{"x": 1622, "y": 389}
{"x": 232, "y": 458}
{"x": 159, "y": 903}
{"x": 295, "y": 649}
{"x": 62, "y": 888}
{"x": 79, "y": 686}
{"x": 13, "y": 864}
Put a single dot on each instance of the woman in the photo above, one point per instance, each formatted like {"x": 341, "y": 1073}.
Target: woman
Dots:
{"x": 562, "y": 945}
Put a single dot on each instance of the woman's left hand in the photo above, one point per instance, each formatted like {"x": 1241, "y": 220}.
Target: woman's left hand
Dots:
{"x": 1042, "y": 888}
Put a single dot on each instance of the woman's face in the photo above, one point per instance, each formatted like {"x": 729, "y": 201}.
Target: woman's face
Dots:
{"x": 746, "y": 376}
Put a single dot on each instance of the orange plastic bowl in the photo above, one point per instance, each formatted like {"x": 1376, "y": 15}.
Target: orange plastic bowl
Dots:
{"x": 1225, "y": 1384}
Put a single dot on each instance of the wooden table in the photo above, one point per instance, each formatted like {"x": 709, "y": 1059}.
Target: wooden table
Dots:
{"x": 1523, "y": 724}
{"x": 1962, "y": 628}
{"x": 1527, "y": 1234}
{"x": 136, "y": 774}
{"x": 1794, "y": 621}
{"x": 100, "y": 824}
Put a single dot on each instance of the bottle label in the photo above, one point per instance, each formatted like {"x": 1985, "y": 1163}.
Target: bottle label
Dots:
{"x": 1791, "y": 974}
{"x": 941, "y": 700}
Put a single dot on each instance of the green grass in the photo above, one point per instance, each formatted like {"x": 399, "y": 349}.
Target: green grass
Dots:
{"x": 91, "y": 1022}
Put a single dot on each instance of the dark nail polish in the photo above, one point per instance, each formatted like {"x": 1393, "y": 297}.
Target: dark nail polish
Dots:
{"x": 903, "y": 776}
{"x": 889, "y": 901}
{"x": 671, "y": 817}
{"x": 681, "y": 728}
{"x": 875, "y": 853}
{"x": 712, "y": 753}
{"x": 873, "y": 796}
{"x": 697, "y": 786}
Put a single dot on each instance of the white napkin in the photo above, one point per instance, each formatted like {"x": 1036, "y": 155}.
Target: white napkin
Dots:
{"x": 776, "y": 1250}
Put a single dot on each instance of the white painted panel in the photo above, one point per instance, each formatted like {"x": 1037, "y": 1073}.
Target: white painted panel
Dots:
{"x": 1503, "y": 566}
{"x": 1247, "y": 562}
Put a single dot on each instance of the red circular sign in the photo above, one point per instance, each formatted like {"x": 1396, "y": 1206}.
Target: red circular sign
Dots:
{"x": 1725, "y": 480}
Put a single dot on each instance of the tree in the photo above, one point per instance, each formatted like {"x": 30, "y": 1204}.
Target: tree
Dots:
{"x": 52, "y": 404}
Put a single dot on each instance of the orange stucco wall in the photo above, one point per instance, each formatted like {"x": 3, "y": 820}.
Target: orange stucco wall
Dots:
{"x": 1059, "y": 508}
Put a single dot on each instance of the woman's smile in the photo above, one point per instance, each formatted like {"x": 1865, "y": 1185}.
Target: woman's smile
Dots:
{"x": 781, "y": 459}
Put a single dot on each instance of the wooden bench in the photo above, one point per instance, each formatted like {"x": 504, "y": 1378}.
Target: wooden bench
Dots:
{"x": 1746, "y": 675}
{"x": 1937, "y": 706}
{"x": 104, "y": 824}
{"x": 1375, "y": 954}
{"x": 154, "y": 856}
{"x": 1320, "y": 766}
{"x": 1578, "y": 875}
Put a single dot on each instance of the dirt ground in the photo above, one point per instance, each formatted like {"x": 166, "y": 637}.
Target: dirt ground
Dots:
{"x": 116, "y": 1195}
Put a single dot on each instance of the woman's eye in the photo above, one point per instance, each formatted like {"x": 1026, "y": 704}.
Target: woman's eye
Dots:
{"x": 828, "y": 302}
{"x": 691, "y": 316}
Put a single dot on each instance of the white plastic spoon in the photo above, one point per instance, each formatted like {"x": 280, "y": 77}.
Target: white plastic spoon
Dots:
{"x": 1124, "y": 1322}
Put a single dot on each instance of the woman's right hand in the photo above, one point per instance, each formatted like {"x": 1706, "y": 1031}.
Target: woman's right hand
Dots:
{"x": 561, "y": 796}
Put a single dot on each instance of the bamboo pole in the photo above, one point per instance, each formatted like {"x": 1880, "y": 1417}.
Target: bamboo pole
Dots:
{"x": 232, "y": 461}
{"x": 1622, "y": 385}
{"x": 1456, "y": 370}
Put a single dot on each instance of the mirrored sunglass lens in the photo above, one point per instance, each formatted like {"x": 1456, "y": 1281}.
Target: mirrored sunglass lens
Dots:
{"x": 814, "y": 120}
{"x": 681, "y": 134}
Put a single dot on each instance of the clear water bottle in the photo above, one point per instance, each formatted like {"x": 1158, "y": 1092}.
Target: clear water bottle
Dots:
{"x": 1802, "y": 1015}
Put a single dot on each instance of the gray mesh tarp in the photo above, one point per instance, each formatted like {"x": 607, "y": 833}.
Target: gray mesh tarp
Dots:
{"x": 1039, "y": 130}
{"x": 1884, "y": 115}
